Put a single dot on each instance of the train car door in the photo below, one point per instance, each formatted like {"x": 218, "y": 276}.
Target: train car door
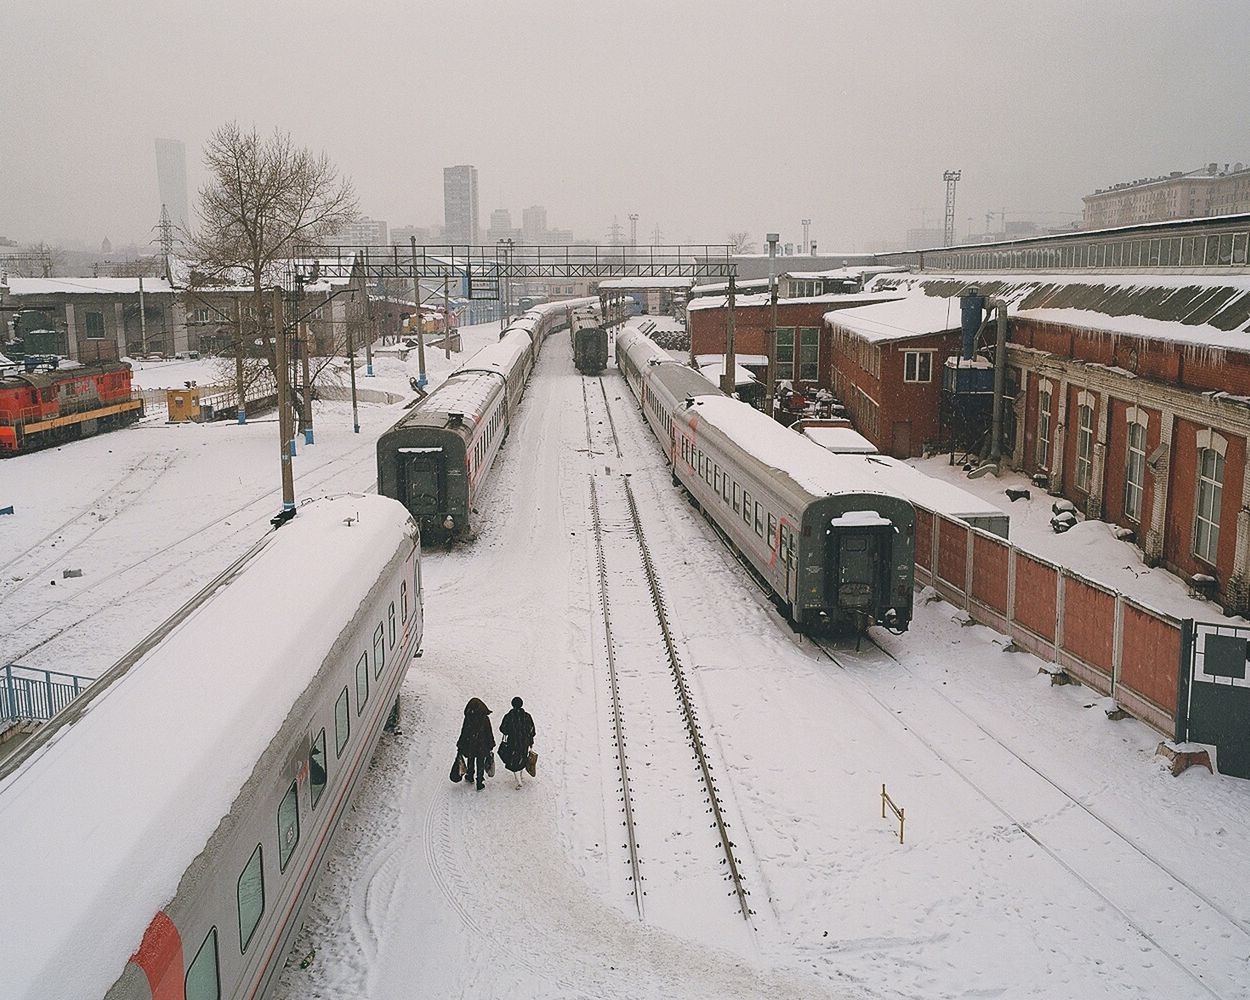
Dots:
{"x": 423, "y": 481}
{"x": 857, "y": 541}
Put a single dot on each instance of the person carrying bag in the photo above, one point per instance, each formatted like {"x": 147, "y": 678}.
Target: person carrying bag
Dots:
{"x": 518, "y": 740}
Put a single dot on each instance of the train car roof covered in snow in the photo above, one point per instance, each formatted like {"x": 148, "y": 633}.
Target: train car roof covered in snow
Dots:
{"x": 500, "y": 357}
{"x": 106, "y": 818}
{"x": 813, "y": 469}
{"x": 464, "y": 393}
{"x": 894, "y": 476}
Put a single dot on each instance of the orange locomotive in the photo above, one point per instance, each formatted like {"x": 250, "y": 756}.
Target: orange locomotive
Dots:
{"x": 46, "y": 407}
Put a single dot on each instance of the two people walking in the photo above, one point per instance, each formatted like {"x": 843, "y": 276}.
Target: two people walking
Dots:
{"x": 477, "y": 742}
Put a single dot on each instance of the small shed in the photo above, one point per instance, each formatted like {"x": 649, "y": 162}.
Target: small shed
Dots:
{"x": 183, "y": 404}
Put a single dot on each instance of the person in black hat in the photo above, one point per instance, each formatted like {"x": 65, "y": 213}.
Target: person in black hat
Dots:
{"x": 476, "y": 742}
{"x": 518, "y": 739}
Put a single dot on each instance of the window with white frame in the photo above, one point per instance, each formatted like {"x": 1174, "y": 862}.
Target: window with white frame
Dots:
{"x": 1084, "y": 446}
{"x": 918, "y": 366}
{"x": 809, "y": 353}
{"x": 785, "y": 352}
{"x": 1210, "y": 496}
{"x": 1135, "y": 468}
{"x": 1045, "y": 403}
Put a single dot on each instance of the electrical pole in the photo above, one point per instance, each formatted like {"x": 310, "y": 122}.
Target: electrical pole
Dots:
{"x": 284, "y": 411}
{"x": 369, "y": 331}
{"x": 416, "y": 300}
{"x": 728, "y": 382}
{"x": 143, "y": 320}
{"x": 306, "y": 410}
{"x": 238, "y": 360}
{"x": 351, "y": 367}
{"x": 952, "y": 178}
{"x": 771, "y": 376}
{"x": 446, "y": 322}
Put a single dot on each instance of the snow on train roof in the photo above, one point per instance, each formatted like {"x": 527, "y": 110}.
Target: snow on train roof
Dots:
{"x": 464, "y": 392}
{"x": 803, "y": 460}
{"x": 501, "y": 356}
{"x": 100, "y": 825}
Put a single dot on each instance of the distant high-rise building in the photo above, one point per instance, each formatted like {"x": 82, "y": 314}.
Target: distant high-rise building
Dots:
{"x": 460, "y": 203}
{"x": 363, "y": 232}
{"x": 534, "y": 225}
{"x": 171, "y": 180}
{"x": 1178, "y": 195}
{"x": 424, "y": 235}
{"x": 501, "y": 227}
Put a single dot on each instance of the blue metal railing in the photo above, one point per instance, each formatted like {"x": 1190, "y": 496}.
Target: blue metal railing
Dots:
{"x": 30, "y": 694}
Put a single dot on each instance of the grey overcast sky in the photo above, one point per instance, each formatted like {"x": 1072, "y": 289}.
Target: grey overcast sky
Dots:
{"x": 701, "y": 117}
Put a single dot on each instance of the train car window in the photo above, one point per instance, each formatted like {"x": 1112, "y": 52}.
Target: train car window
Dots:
{"x": 250, "y": 897}
{"x": 772, "y": 528}
{"x": 403, "y": 601}
{"x": 716, "y": 477}
{"x": 390, "y": 625}
{"x": 342, "y": 724}
{"x": 746, "y": 506}
{"x": 737, "y": 500}
{"x": 288, "y": 825}
{"x": 203, "y": 982}
{"x": 759, "y": 520}
{"x": 317, "y": 774}
{"x": 379, "y": 651}
{"x": 362, "y": 678}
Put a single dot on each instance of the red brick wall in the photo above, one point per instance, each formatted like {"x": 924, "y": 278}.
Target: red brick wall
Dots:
{"x": 1183, "y": 496}
{"x": 1086, "y": 613}
{"x": 1149, "y": 657}
{"x": 1035, "y": 596}
{"x": 952, "y": 553}
{"x": 709, "y": 327}
{"x": 989, "y": 572}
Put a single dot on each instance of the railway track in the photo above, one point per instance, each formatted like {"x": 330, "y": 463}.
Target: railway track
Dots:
{"x": 643, "y": 655}
{"x": 309, "y": 480}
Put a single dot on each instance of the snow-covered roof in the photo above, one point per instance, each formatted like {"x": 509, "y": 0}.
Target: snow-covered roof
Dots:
{"x": 500, "y": 357}
{"x": 1210, "y": 310}
{"x": 722, "y": 287}
{"x": 715, "y": 369}
{"x": 623, "y": 284}
{"x": 915, "y": 315}
{"x": 719, "y": 359}
{"x": 893, "y": 476}
{"x": 87, "y": 286}
{"x": 99, "y": 826}
{"x": 763, "y": 299}
{"x": 841, "y": 440}
{"x": 803, "y": 460}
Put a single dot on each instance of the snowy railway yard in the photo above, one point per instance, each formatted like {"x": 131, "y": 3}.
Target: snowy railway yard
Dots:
{"x": 1048, "y": 852}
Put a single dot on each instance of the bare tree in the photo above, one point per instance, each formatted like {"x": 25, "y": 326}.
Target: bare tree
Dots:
{"x": 741, "y": 242}
{"x": 264, "y": 197}
{"x": 37, "y": 260}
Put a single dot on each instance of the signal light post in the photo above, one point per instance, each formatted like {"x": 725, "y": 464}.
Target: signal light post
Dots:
{"x": 286, "y": 444}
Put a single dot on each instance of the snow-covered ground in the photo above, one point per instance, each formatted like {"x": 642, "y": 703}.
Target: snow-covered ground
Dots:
{"x": 1048, "y": 853}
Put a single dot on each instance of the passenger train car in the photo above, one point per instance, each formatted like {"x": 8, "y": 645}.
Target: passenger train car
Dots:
{"x": 47, "y": 407}
{"x": 165, "y": 832}
{"x": 832, "y": 548}
{"x": 589, "y": 341}
{"x": 437, "y": 458}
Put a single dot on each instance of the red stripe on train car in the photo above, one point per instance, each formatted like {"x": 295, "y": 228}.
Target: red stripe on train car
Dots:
{"x": 160, "y": 958}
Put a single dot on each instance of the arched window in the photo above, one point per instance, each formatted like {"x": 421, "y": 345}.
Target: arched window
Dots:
{"x": 1084, "y": 442}
{"x": 1211, "y": 448}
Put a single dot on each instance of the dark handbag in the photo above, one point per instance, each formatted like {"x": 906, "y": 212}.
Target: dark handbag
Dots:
{"x": 531, "y": 764}
{"x": 457, "y": 769}
{"x": 490, "y": 764}
{"x": 505, "y": 754}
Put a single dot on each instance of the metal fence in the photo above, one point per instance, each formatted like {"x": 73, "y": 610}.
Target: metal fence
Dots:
{"x": 30, "y": 694}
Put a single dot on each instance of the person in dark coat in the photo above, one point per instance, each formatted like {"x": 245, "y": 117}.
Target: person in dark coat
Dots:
{"x": 477, "y": 740}
{"x": 518, "y": 739}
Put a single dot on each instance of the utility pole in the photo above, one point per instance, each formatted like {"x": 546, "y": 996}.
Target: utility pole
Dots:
{"x": 416, "y": 299}
{"x": 284, "y": 411}
{"x": 351, "y": 366}
{"x": 306, "y": 410}
{"x": 240, "y": 388}
{"x": 728, "y": 383}
{"x": 143, "y": 320}
{"x": 952, "y": 178}
{"x": 633, "y": 229}
{"x": 807, "y": 226}
{"x": 771, "y": 376}
{"x": 369, "y": 331}
{"x": 446, "y": 322}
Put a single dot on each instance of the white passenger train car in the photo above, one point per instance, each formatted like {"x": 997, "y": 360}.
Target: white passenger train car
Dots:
{"x": 163, "y": 835}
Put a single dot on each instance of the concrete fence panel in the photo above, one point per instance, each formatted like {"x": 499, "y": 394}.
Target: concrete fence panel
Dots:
{"x": 924, "y": 544}
{"x": 991, "y": 558}
{"x": 1087, "y": 644}
{"x": 952, "y": 561}
{"x": 1150, "y": 650}
{"x": 1035, "y": 605}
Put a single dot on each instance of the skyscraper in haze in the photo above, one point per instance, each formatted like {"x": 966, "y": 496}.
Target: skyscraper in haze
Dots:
{"x": 534, "y": 224}
{"x": 171, "y": 180}
{"x": 460, "y": 203}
